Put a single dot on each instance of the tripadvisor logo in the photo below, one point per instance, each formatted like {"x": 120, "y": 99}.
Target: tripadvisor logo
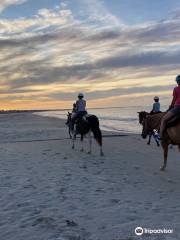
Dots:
{"x": 140, "y": 231}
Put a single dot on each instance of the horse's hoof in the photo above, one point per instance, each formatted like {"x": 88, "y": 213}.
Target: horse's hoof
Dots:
{"x": 102, "y": 154}
{"x": 82, "y": 150}
{"x": 162, "y": 168}
{"x": 73, "y": 147}
{"x": 148, "y": 143}
{"x": 89, "y": 152}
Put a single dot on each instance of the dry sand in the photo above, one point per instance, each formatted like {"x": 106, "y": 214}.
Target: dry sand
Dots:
{"x": 50, "y": 192}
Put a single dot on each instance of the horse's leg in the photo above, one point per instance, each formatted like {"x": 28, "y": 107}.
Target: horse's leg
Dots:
{"x": 73, "y": 141}
{"x": 165, "y": 149}
{"x": 149, "y": 141}
{"x": 82, "y": 147}
{"x": 99, "y": 140}
{"x": 70, "y": 134}
{"x": 101, "y": 151}
{"x": 90, "y": 142}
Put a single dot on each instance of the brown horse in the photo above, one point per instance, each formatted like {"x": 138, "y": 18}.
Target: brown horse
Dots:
{"x": 142, "y": 115}
{"x": 171, "y": 135}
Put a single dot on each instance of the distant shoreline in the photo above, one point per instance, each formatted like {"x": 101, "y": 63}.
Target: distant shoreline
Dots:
{"x": 62, "y": 109}
{"x": 30, "y": 111}
{"x": 69, "y": 109}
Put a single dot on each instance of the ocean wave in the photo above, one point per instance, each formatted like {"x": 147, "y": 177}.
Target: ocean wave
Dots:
{"x": 123, "y": 119}
{"x": 115, "y": 122}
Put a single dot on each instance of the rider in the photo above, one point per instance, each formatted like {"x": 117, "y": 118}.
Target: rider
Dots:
{"x": 73, "y": 109}
{"x": 156, "y": 105}
{"x": 174, "y": 108}
{"x": 80, "y": 110}
{"x": 73, "y": 112}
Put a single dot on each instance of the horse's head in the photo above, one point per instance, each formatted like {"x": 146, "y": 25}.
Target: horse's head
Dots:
{"x": 142, "y": 116}
{"x": 69, "y": 115}
{"x": 145, "y": 127}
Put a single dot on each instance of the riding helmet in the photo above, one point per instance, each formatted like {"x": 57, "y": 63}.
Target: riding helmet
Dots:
{"x": 81, "y": 95}
{"x": 178, "y": 79}
{"x": 156, "y": 98}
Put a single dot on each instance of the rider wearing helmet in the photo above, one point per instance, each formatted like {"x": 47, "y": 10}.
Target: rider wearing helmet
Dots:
{"x": 80, "y": 110}
{"x": 74, "y": 109}
{"x": 81, "y": 104}
{"x": 156, "y": 105}
{"x": 174, "y": 108}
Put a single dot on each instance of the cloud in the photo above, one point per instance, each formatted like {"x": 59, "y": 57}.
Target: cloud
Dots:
{"x": 55, "y": 53}
{"x": 5, "y": 3}
{"x": 143, "y": 59}
{"x": 95, "y": 12}
{"x": 118, "y": 92}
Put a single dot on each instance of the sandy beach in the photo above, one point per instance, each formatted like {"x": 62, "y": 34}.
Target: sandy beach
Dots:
{"x": 50, "y": 192}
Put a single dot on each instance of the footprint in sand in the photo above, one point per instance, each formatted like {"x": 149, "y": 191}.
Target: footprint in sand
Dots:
{"x": 24, "y": 204}
{"x": 100, "y": 190}
{"x": 68, "y": 174}
{"x": 48, "y": 221}
{"x": 47, "y": 150}
{"x": 156, "y": 210}
{"x": 71, "y": 223}
{"x": 29, "y": 186}
{"x": 98, "y": 172}
{"x": 136, "y": 168}
{"x": 170, "y": 181}
{"x": 29, "y": 168}
{"x": 57, "y": 153}
{"x": 62, "y": 190}
{"x": 115, "y": 201}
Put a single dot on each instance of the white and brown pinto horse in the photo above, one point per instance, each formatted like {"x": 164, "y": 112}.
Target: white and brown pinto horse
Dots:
{"x": 85, "y": 126}
{"x": 171, "y": 135}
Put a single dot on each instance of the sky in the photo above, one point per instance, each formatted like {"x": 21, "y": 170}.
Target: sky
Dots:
{"x": 118, "y": 52}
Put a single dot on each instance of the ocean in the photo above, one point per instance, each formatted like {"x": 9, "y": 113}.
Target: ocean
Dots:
{"x": 115, "y": 119}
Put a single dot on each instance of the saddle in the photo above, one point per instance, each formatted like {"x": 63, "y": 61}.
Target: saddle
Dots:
{"x": 174, "y": 121}
{"x": 83, "y": 118}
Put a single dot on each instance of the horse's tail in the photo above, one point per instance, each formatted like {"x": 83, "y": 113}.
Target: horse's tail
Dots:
{"x": 94, "y": 125}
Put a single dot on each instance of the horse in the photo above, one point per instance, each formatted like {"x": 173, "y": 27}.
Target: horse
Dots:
{"x": 171, "y": 134}
{"x": 142, "y": 116}
{"x": 69, "y": 115}
{"x": 83, "y": 126}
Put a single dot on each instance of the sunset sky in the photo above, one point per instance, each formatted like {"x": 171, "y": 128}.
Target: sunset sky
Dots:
{"x": 117, "y": 52}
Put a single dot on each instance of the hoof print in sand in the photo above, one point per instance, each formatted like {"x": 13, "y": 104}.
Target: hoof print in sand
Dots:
{"x": 46, "y": 221}
{"x": 71, "y": 223}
